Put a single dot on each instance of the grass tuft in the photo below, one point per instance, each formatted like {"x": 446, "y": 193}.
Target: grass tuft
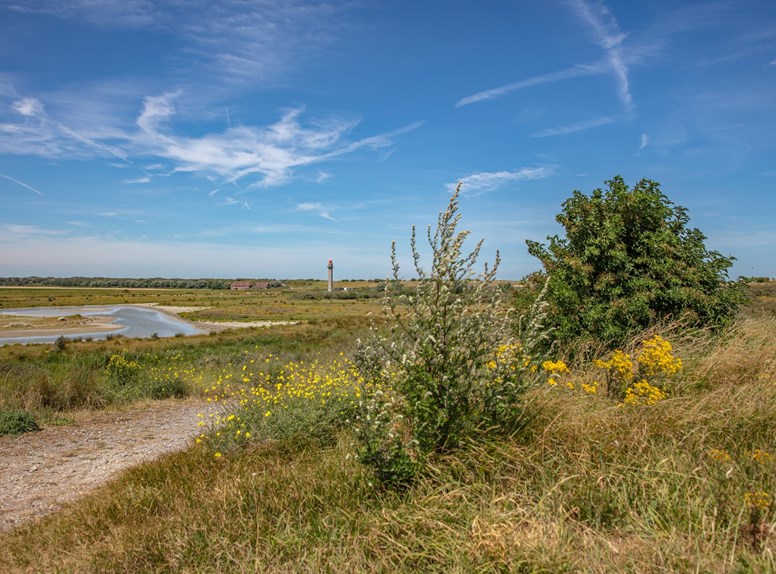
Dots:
{"x": 16, "y": 421}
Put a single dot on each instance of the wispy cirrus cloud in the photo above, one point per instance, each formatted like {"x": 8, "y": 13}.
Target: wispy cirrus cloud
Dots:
{"x": 577, "y": 127}
{"x": 268, "y": 155}
{"x": 316, "y": 208}
{"x": 107, "y": 13}
{"x": 21, "y": 183}
{"x": 235, "y": 40}
{"x": 29, "y": 107}
{"x": 232, "y": 201}
{"x": 486, "y": 181}
{"x": 579, "y": 70}
{"x": 25, "y": 232}
{"x": 607, "y": 35}
{"x": 262, "y": 156}
{"x": 156, "y": 110}
{"x": 50, "y": 138}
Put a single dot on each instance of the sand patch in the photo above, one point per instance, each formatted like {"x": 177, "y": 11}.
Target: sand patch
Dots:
{"x": 49, "y": 326}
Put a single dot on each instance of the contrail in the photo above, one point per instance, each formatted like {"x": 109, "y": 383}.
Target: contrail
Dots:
{"x": 22, "y": 184}
{"x": 228, "y": 119}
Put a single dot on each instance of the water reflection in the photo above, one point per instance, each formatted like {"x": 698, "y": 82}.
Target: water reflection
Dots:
{"x": 132, "y": 322}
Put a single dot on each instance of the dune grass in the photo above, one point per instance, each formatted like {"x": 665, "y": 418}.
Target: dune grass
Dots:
{"x": 587, "y": 485}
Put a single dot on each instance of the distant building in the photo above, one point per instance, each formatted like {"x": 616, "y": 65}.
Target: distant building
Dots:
{"x": 247, "y": 285}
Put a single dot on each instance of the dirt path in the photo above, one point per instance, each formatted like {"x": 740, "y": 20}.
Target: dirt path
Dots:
{"x": 40, "y": 471}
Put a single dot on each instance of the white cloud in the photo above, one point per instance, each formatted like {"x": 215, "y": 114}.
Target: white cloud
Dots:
{"x": 112, "y": 13}
{"x": 317, "y": 208}
{"x": 144, "y": 179}
{"x": 270, "y": 154}
{"x": 264, "y": 155}
{"x": 232, "y": 201}
{"x": 156, "y": 109}
{"x": 484, "y": 182}
{"x": 29, "y": 107}
{"x": 16, "y": 181}
{"x": 578, "y": 127}
{"x": 14, "y": 232}
{"x": 644, "y": 141}
{"x": 607, "y": 35}
{"x": 576, "y": 71}
{"x": 236, "y": 40}
{"x": 109, "y": 214}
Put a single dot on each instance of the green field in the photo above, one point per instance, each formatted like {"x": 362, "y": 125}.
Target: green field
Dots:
{"x": 586, "y": 484}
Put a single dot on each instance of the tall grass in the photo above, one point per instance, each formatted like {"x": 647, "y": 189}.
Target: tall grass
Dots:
{"x": 585, "y": 486}
{"x": 44, "y": 380}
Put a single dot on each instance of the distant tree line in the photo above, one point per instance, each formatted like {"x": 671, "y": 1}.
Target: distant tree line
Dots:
{"x": 152, "y": 282}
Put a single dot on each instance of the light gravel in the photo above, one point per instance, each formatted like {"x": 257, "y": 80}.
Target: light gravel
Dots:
{"x": 40, "y": 471}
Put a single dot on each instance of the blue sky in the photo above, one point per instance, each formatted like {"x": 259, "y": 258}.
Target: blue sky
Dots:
{"x": 260, "y": 138}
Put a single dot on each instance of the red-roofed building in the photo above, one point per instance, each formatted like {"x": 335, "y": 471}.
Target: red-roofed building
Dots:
{"x": 246, "y": 285}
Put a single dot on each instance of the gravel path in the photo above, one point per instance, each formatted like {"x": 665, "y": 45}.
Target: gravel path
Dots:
{"x": 40, "y": 471}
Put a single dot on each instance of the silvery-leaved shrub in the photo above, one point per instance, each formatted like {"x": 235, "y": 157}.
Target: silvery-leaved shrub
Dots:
{"x": 452, "y": 362}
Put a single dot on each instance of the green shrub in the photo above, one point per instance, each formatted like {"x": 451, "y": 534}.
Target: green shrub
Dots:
{"x": 629, "y": 261}
{"x": 16, "y": 421}
{"x": 450, "y": 365}
{"x": 168, "y": 388}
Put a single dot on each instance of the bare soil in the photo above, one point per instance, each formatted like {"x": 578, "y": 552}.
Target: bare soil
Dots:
{"x": 40, "y": 471}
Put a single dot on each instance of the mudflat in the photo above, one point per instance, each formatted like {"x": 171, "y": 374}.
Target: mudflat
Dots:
{"x": 22, "y": 326}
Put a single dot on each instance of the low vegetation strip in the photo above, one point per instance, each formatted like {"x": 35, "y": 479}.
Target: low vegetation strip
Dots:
{"x": 585, "y": 485}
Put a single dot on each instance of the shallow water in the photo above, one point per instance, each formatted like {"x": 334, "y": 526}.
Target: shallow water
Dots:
{"x": 133, "y": 322}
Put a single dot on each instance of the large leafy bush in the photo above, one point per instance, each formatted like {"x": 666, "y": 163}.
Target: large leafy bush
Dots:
{"x": 628, "y": 260}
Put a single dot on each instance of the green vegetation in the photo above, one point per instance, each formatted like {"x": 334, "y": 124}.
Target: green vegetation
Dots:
{"x": 80, "y": 374}
{"x": 448, "y": 367}
{"x": 657, "y": 455}
{"x": 629, "y": 261}
{"x": 16, "y": 421}
{"x": 684, "y": 484}
{"x": 153, "y": 282}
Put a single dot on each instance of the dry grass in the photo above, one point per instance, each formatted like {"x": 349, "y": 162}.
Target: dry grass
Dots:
{"x": 586, "y": 486}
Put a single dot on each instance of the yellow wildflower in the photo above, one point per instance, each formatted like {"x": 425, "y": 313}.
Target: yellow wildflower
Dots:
{"x": 759, "y": 500}
{"x": 761, "y": 456}
{"x": 719, "y": 454}
{"x": 643, "y": 393}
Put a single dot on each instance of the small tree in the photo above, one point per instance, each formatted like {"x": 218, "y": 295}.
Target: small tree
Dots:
{"x": 629, "y": 260}
{"x": 448, "y": 365}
